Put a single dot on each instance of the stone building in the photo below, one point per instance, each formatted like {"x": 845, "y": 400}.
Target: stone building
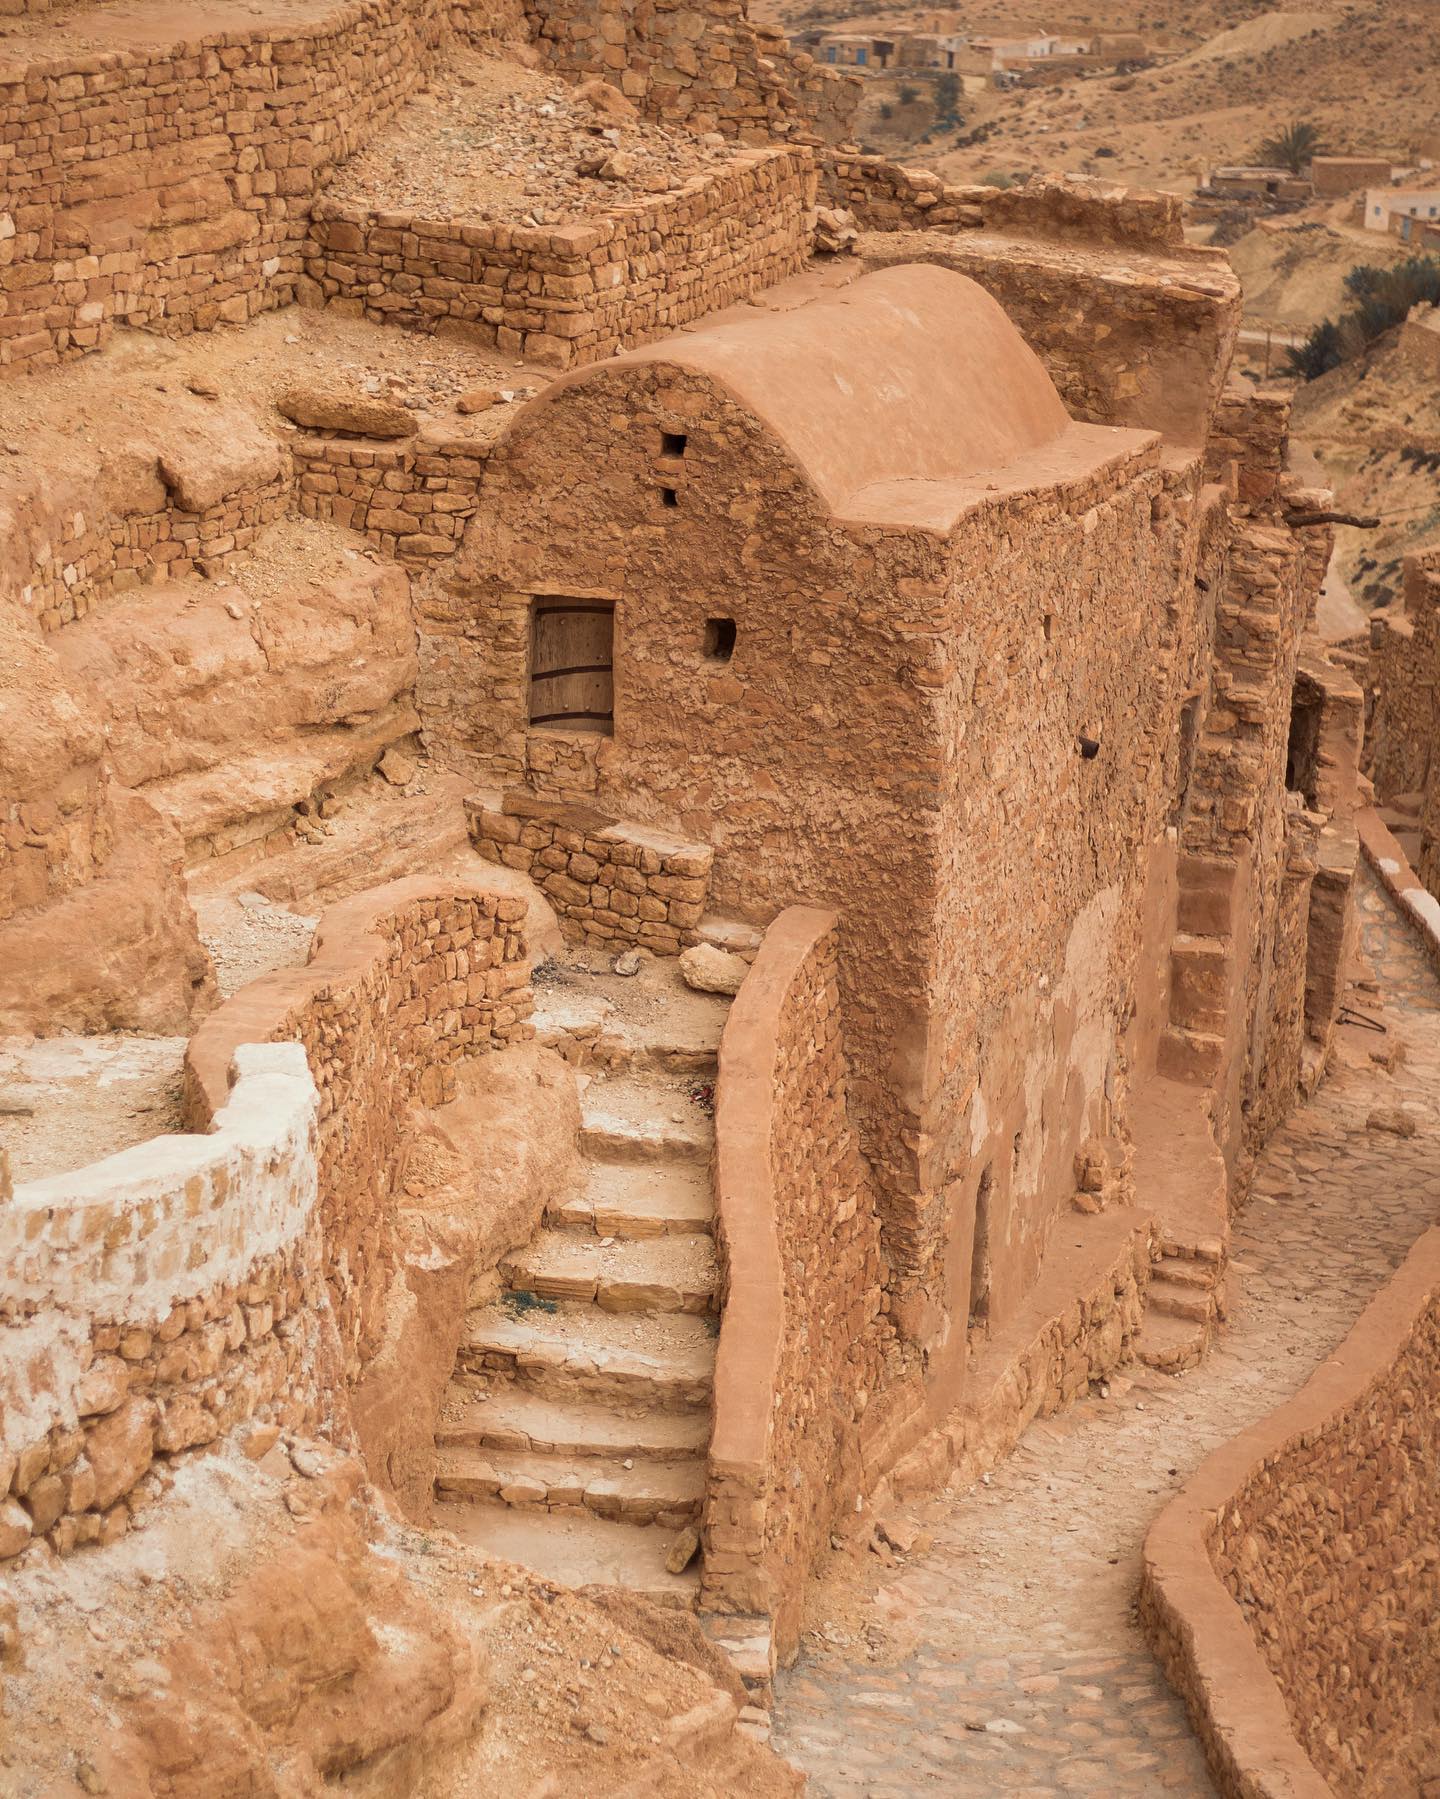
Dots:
{"x": 888, "y": 631}
{"x": 915, "y": 840}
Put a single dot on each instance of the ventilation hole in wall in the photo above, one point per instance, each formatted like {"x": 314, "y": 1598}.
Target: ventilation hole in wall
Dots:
{"x": 1089, "y": 747}
{"x": 669, "y": 496}
{"x": 719, "y": 639}
{"x": 672, "y": 443}
{"x": 1048, "y": 627}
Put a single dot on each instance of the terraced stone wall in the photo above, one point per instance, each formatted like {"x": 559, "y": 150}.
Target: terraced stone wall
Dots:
{"x": 1291, "y": 1589}
{"x": 800, "y": 1338}
{"x": 705, "y": 67}
{"x": 404, "y": 982}
{"x": 69, "y": 545}
{"x": 170, "y": 186}
{"x": 153, "y": 1301}
{"x": 569, "y": 294}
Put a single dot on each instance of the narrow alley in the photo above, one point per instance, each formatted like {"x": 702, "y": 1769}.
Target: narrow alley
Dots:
{"x": 1005, "y": 1658}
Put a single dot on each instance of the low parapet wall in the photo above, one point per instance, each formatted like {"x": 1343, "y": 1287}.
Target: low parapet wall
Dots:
{"x": 886, "y": 196}
{"x": 799, "y": 1353}
{"x": 566, "y": 294}
{"x": 404, "y": 981}
{"x": 609, "y": 882}
{"x": 154, "y": 1300}
{"x": 1291, "y": 1589}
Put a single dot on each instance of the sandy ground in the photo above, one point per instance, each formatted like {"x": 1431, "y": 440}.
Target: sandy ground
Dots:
{"x": 68, "y": 1101}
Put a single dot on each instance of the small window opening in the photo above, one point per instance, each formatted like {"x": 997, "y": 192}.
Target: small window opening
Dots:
{"x": 672, "y": 443}
{"x": 669, "y": 496}
{"x": 572, "y": 654}
{"x": 719, "y": 639}
{"x": 980, "y": 1254}
{"x": 1302, "y": 755}
{"x": 1089, "y": 747}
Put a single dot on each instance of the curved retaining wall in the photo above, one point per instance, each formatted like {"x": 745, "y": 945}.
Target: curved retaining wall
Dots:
{"x": 153, "y": 1300}
{"x": 404, "y": 981}
{"x": 1291, "y": 1590}
{"x": 797, "y": 1360}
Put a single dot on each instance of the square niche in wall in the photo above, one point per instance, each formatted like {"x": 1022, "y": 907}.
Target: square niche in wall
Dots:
{"x": 572, "y": 665}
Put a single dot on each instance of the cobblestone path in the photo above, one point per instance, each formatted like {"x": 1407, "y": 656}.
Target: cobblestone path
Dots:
{"x": 1004, "y": 1658}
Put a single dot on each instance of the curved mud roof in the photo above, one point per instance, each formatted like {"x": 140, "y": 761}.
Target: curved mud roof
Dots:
{"x": 903, "y": 395}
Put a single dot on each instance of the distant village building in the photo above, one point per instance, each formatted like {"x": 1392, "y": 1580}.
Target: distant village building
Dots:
{"x": 1245, "y": 183}
{"x": 1336, "y": 176}
{"x": 1393, "y": 208}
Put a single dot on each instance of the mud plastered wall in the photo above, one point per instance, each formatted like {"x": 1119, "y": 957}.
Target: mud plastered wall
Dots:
{"x": 574, "y": 293}
{"x": 188, "y": 200}
{"x": 403, "y": 983}
{"x": 1076, "y": 631}
{"x": 154, "y": 1300}
{"x": 800, "y": 1342}
{"x": 1291, "y": 1589}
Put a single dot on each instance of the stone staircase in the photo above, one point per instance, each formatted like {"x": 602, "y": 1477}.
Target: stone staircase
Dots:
{"x": 1192, "y": 1046}
{"x": 1180, "y": 1176}
{"x": 574, "y": 1434}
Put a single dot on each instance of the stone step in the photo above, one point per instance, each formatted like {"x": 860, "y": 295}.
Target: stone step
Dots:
{"x": 665, "y": 1361}
{"x": 1170, "y": 1345}
{"x": 513, "y": 1418}
{"x": 749, "y": 1642}
{"x": 669, "y": 1494}
{"x": 659, "y": 1274}
{"x": 575, "y": 1549}
{"x": 1191, "y": 1056}
{"x": 1176, "y": 1300}
{"x": 631, "y": 1119}
{"x": 733, "y": 935}
{"x": 669, "y": 1199}
{"x": 1185, "y": 1273}
{"x": 1199, "y": 982}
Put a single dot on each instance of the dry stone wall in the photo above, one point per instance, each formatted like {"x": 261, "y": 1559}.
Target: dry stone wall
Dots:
{"x": 608, "y": 882}
{"x": 404, "y": 981}
{"x": 411, "y": 499}
{"x": 146, "y": 511}
{"x": 801, "y": 1335}
{"x": 706, "y": 67}
{"x": 170, "y": 187}
{"x": 1291, "y": 1589}
{"x": 151, "y": 1302}
{"x": 574, "y": 293}
{"x": 884, "y": 196}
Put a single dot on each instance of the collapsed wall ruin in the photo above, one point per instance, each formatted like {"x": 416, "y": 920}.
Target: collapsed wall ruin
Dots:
{"x": 922, "y": 631}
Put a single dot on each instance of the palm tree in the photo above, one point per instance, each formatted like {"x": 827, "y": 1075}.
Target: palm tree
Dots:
{"x": 1293, "y": 147}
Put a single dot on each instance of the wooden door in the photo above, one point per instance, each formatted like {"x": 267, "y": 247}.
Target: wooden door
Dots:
{"x": 572, "y": 681}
